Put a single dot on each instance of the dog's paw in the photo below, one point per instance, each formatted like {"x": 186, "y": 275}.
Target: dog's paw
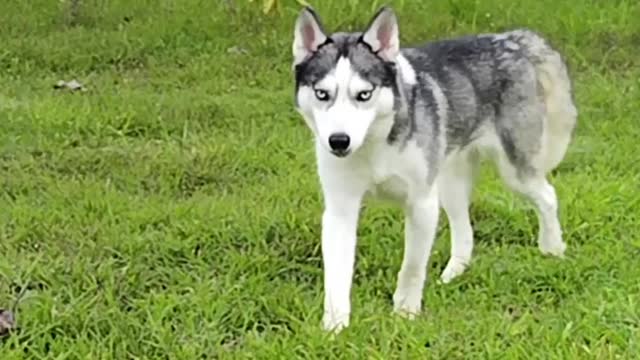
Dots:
{"x": 405, "y": 312}
{"x": 335, "y": 323}
{"x": 407, "y": 304}
{"x": 453, "y": 269}
{"x": 554, "y": 248}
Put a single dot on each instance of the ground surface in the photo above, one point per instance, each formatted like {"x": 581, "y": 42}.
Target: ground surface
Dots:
{"x": 172, "y": 210}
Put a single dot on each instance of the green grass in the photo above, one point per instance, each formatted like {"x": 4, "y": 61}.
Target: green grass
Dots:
{"x": 172, "y": 210}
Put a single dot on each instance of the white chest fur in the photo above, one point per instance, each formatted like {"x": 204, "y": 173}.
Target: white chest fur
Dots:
{"x": 397, "y": 175}
{"x": 382, "y": 171}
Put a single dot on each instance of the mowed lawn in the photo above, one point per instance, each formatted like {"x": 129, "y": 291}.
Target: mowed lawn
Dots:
{"x": 172, "y": 210}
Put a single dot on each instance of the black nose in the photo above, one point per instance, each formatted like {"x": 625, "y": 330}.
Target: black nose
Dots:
{"x": 339, "y": 142}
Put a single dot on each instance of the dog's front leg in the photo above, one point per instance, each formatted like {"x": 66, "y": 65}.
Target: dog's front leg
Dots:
{"x": 339, "y": 227}
{"x": 421, "y": 221}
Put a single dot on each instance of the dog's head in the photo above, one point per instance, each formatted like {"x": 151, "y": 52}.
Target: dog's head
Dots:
{"x": 345, "y": 82}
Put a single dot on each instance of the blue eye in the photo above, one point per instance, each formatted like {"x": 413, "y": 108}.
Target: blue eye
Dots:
{"x": 364, "y": 96}
{"x": 322, "y": 95}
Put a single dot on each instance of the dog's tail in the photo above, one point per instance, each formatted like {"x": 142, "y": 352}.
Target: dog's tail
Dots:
{"x": 555, "y": 88}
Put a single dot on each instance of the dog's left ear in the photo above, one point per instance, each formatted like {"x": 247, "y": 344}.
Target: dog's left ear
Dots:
{"x": 308, "y": 35}
{"x": 382, "y": 34}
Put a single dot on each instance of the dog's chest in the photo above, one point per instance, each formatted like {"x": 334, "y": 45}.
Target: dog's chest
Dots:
{"x": 397, "y": 175}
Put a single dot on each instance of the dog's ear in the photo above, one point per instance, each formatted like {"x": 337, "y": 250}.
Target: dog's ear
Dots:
{"x": 382, "y": 34}
{"x": 308, "y": 35}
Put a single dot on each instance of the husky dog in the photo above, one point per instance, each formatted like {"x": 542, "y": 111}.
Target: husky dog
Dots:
{"x": 411, "y": 124}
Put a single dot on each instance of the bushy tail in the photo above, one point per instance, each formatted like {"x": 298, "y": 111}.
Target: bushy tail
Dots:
{"x": 555, "y": 89}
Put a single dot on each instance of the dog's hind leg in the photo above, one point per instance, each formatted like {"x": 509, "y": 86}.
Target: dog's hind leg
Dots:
{"x": 455, "y": 183}
{"x": 535, "y": 187}
{"x": 421, "y": 222}
{"x": 523, "y": 159}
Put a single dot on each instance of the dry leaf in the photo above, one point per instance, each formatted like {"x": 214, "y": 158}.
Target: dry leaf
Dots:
{"x": 237, "y": 50}
{"x": 268, "y": 6}
{"x": 7, "y": 322}
{"x": 72, "y": 85}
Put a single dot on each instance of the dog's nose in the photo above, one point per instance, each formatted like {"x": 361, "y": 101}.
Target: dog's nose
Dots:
{"x": 339, "y": 142}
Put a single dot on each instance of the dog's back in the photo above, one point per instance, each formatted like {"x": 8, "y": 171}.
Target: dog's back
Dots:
{"x": 513, "y": 85}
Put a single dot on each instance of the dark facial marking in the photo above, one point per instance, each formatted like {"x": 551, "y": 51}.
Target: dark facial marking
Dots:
{"x": 369, "y": 66}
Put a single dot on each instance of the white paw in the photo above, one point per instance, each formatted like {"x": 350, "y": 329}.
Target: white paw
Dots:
{"x": 555, "y": 248}
{"x": 407, "y": 303}
{"x": 408, "y": 313}
{"x": 335, "y": 323}
{"x": 455, "y": 267}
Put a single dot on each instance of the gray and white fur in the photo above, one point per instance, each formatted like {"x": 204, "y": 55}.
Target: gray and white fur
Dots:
{"x": 411, "y": 125}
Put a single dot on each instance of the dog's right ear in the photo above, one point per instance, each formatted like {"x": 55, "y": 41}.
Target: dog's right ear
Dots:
{"x": 308, "y": 35}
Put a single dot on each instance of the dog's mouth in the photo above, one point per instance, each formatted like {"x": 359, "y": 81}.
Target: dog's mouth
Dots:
{"x": 340, "y": 153}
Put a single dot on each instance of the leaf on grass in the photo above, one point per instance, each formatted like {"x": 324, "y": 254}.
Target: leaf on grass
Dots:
{"x": 268, "y": 6}
{"x": 237, "y": 50}
{"x": 72, "y": 85}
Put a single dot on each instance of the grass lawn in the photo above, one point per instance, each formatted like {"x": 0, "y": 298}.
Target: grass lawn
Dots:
{"x": 172, "y": 210}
